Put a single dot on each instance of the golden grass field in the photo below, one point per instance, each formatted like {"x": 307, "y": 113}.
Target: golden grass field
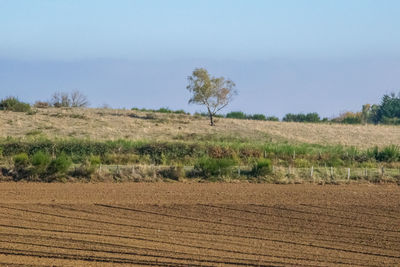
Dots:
{"x": 102, "y": 124}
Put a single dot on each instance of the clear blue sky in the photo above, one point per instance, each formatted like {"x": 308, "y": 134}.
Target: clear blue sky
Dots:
{"x": 285, "y": 56}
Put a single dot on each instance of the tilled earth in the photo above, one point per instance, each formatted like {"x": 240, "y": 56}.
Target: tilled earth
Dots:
{"x": 213, "y": 224}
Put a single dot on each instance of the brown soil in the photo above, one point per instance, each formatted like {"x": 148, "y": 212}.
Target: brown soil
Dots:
{"x": 214, "y": 224}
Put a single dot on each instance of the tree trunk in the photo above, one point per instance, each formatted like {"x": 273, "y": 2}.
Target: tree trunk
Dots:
{"x": 210, "y": 114}
{"x": 211, "y": 119}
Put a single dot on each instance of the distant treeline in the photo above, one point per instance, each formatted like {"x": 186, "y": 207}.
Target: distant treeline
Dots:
{"x": 387, "y": 112}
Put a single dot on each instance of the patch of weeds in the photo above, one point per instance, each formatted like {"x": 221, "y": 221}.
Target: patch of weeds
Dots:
{"x": 262, "y": 167}
{"x": 34, "y": 133}
{"x": 176, "y": 173}
{"x": 211, "y": 167}
{"x": 13, "y": 104}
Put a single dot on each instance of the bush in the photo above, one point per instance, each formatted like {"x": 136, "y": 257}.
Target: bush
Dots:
{"x": 236, "y": 115}
{"x": 161, "y": 110}
{"x": 389, "y": 154}
{"x": 310, "y": 117}
{"x": 85, "y": 170}
{"x": 60, "y": 165}
{"x": 21, "y": 161}
{"x": 349, "y": 118}
{"x": 174, "y": 172}
{"x": 392, "y": 121}
{"x": 40, "y": 161}
{"x": 262, "y": 167}
{"x": 258, "y": 117}
{"x": 164, "y": 110}
{"x": 75, "y": 99}
{"x": 41, "y": 104}
{"x": 209, "y": 167}
{"x": 272, "y": 118}
{"x": 181, "y": 111}
{"x": 95, "y": 160}
{"x": 21, "y": 167}
{"x": 13, "y": 104}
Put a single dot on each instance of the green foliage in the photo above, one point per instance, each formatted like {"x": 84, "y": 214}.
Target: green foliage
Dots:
{"x": 349, "y": 118}
{"x": 236, "y": 115}
{"x": 392, "y": 121}
{"x": 388, "y": 112}
{"x": 211, "y": 92}
{"x": 124, "y": 152}
{"x": 40, "y": 161}
{"x": 242, "y": 116}
{"x": 257, "y": 117}
{"x": 13, "y": 104}
{"x": 390, "y": 107}
{"x": 262, "y": 167}
{"x": 309, "y": 117}
{"x": 210, "y": 167}
{"x": 21, "y": 160}
{"x": 164, "y": 110}
{"x": 272, "y": 118}
{"x": 60, "y": 165}
{"x": 161, "y": 110}
{"x": 95, "y": 160}
{"x": 389, "y": 154}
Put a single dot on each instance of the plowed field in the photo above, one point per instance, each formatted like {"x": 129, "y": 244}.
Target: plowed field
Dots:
{"x": 181, "y": 224}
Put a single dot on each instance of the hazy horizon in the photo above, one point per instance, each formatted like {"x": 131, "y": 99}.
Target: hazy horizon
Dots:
{"x": 285, "y": 56}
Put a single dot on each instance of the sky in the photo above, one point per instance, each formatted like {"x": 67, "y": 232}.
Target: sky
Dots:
{"x": 285, "y": 56}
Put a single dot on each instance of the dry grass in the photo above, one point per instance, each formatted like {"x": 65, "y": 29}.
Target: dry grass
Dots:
{"x": 101, "y": 124}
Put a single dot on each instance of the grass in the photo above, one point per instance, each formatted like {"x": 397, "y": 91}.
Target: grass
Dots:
{"x": 108, "y": 124}
{"x": 90, "y": 138}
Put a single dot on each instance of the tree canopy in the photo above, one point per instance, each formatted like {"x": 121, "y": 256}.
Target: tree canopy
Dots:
{"x": 214, "y": 93}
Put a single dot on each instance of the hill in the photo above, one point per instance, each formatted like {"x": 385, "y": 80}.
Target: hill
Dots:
{"x": 110, "y": 124}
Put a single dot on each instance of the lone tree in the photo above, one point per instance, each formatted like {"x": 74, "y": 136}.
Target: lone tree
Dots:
{"x": 214, "y": 93}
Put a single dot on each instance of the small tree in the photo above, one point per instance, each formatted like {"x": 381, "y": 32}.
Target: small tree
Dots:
{"x": 214, "y": 93}
{"x": 78, "y": 100}
{"x": 59, "y": 100}
{"x": 75, "y": 99}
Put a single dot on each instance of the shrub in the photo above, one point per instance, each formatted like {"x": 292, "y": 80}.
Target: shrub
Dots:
{"x": 74, "y": 99}
{"x": 349, "y": 118}
{"x": 262, "y": 167}
{"x": 258, "y": 117}
{"x": 164, "y": 110}
{"x": 174, "y": 172}
{"x": 181, "y": 111}
{"x": 272, "y": 118}
{"x": 40, "y": 161}
{"x": 41, "y": 104}
{"x": 209, "y": 167}
{"x": 60, "y": 165}
{"x": 21, "y": 161}
{"x": 85, "y": 170}
{"x": 392, "y": 121}
{"x": 389, "y": 154}
{"x": 310, "y": 117}
{"x": 236, "y": 115}
{"x": 94, "y": 160}
{"x": 21, "y": 167}
{"x": 13, "y": 104}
